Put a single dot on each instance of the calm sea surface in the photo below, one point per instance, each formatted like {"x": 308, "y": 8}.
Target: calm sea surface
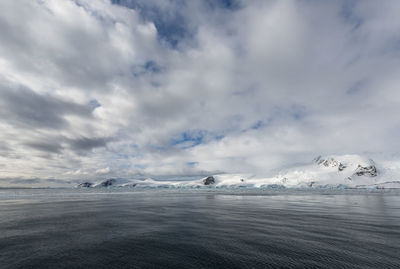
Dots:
{"x": 199, "y": 229}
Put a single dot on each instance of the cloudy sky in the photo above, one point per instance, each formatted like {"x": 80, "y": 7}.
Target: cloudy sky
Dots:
{"x": 175, "y": 88}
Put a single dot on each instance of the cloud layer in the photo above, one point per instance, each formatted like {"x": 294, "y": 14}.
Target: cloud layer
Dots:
{"x": 134, "y": 88}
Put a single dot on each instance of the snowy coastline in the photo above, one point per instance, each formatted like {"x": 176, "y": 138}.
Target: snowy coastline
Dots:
{"x": 330, "y": 172}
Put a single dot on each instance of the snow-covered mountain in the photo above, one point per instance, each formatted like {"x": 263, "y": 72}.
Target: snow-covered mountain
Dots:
{"x": 339, "y": 171}
{"x": 345, "y": 171}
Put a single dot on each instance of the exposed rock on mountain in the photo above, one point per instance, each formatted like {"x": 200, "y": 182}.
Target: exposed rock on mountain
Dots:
{"x": 369, "y": 171}
{"x": 209, "y": 181}
{"x": 108, "y": 182}
{"x": 85, "y": 185}
{"x": 330, "y": 162}
{"x": 112, "y": 182}
{"x": 341, "y": 167}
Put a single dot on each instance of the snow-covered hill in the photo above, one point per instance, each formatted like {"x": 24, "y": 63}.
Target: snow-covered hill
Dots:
{"x": 333, "y": 171}
{"x": 345, "y": 171}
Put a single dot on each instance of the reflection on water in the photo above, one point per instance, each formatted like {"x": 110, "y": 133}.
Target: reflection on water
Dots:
{"x": 198, "y": 229}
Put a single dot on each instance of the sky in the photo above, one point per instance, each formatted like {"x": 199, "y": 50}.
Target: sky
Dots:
{"x": 189, "y": 88}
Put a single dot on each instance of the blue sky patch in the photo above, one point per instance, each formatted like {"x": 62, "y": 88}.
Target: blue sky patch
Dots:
{"x": 94, "y": 104}
{"x": 152, "y": 67}
{"x": 298, "y": 112}
{"x": 191, "y": 138}
{"x": 173, "y": 25}
{"x": 171, "y": 28}
{"x": 347, "y": 13}
{"x": 257, "y": 125}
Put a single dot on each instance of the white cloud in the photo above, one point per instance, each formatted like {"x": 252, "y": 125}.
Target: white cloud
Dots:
{"x": 103, "y": 171}
{"x": 78, "y": 172}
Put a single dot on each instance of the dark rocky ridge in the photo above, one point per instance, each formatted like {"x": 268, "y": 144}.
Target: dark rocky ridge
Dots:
{"x": 85, "y": 185}
{"x": 108, "y": 182}
{"x": 209, "y": 181}
{"x": 341, "y": 167}
{"x": 369, "y": 171}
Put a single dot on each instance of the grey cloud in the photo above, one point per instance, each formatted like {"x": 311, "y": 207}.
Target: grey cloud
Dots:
{"x": 4, "y": 148}
{"x": 87, "y": 144}
{"x": 23, "y": 107}
{"x": 60, "y": 181}
{"x": 46, "y": 146}
{"x": 26, "y": 181}
{"x": 22, "y": 180}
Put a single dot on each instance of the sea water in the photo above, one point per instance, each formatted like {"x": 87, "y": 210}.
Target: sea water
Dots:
{"x": 205, "y": 228}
